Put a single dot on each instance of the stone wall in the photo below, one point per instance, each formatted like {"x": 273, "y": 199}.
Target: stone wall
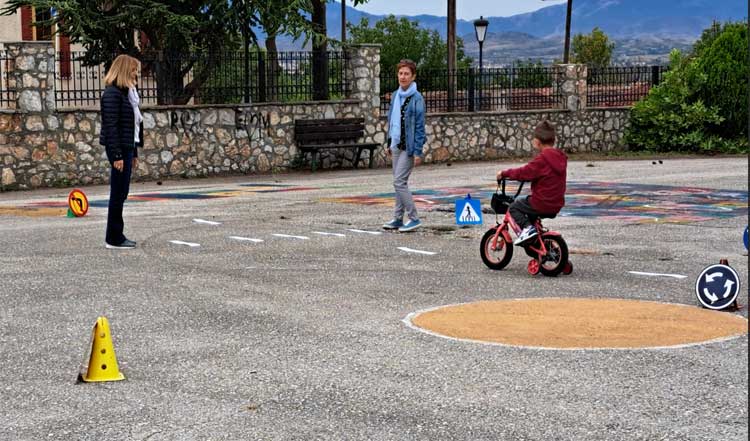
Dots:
{"x": 480, "y": 136}
{"x": 41, "y": 146}
{"x": 178, "y": 142}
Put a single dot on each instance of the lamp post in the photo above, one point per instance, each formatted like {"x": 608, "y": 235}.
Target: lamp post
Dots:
{"x": 480, "y": 27}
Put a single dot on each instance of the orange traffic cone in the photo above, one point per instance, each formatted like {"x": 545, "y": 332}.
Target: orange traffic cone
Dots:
{"x": 102, "y": 362}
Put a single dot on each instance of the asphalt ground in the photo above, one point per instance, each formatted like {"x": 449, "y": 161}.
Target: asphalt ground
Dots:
{"x": 303, "y": 339}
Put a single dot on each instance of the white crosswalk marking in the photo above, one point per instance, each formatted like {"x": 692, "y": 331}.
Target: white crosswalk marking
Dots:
{"x": 676, "y": 276}
{"x": 207, "y": 222}
{"x": 190, "y": 244}
{"x": 411, "y": 250}
{"x": 291, "y": 236}
{"x": 354, "y": 230}
{"x": 246, "y": 239}
{"x": 323, "y": 233}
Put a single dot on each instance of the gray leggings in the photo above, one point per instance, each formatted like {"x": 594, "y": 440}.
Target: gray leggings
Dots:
{"x": 403, "y": 164}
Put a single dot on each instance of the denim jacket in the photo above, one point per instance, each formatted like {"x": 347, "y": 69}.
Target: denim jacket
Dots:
{"x": 414, "y": 124}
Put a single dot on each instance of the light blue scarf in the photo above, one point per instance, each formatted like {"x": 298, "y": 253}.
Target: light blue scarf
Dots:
{"x": 395, "y": 131}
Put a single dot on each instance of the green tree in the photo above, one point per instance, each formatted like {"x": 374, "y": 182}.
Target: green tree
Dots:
{"x": 173, "y": 28}
{"x": 401, "y": 38}
{"x": 723, "y": 59}
{"x": 701, "y": 105}
{"x": 593, "y": 49}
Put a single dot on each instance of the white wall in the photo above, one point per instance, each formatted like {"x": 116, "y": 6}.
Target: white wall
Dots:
{"x": 10, "y": 26}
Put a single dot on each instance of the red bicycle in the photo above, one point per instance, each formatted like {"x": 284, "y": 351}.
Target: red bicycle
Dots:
{"x": 548, "y": 250}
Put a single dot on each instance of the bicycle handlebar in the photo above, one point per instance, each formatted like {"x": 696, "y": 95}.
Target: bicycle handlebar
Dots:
{"x": 501, "y": 184}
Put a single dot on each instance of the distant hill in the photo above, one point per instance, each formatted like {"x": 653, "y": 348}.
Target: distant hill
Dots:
{"x": 641, "y": 29}
{"x": 502, "y": 48}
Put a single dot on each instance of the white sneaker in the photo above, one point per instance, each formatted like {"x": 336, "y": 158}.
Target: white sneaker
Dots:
{"x": 527, "y": 233}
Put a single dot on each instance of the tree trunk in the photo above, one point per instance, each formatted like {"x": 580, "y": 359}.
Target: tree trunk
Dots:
{"x": 274, "y": 69}
{"x": 320, "y": 53}
{"x": 170, "y": 84}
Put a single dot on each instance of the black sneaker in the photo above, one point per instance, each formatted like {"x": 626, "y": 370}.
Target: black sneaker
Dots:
{"x": 125, "y": 245}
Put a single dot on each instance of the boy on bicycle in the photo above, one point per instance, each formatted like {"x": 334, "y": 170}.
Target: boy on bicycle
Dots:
{"x": 547, "y": 173}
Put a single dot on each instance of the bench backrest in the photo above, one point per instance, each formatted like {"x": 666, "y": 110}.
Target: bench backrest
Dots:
{"x": 316, "y": 131}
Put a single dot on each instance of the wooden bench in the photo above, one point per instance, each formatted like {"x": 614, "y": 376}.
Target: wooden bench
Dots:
{"x": 314, "y": 135}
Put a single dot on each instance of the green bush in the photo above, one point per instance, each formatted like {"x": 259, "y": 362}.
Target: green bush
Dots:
{"x": 701, "y": 105}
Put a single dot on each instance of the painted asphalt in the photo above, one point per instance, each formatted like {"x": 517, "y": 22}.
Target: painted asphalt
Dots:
{"x": 227, "y": 324}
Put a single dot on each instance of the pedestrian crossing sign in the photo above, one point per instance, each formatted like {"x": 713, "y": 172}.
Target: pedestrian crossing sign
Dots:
{"x": 468, "y": 211}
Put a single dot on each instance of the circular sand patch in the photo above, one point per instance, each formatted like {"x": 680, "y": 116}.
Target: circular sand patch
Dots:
{"x": 580, "y": 323}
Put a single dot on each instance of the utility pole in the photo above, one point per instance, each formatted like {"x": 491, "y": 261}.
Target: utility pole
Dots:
{"x": 343, "y": 21}
{"x": 566, "y": 55}
{"x": 451, "y": 54}
{"x": 566, "y": 51}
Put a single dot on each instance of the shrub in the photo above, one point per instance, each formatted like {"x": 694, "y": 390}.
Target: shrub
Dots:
{"x": 701, "y": 105}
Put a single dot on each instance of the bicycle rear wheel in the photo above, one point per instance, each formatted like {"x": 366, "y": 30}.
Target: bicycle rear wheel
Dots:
{"x": 554, "y": 262}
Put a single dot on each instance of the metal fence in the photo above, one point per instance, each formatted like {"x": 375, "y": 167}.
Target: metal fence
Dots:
{"x": 621, "y": 86}
{"x": 494, "y": 89}
{"x": 7, "y": 93}
{"x": 226, "y": 78}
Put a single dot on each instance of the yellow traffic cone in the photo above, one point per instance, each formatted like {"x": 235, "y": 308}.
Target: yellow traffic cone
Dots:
{"x": 102, "y": 362}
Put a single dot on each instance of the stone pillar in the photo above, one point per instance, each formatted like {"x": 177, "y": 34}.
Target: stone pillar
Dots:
{"x": 363, "y": 77}
{"x": 33, "y": 75}
{"x": 33, "y": 153}
{"x": 573, "y": 86}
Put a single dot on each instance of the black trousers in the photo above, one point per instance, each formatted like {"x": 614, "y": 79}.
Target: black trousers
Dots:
{"x": 522, "y": 212}
{"x": 119, "y": 187}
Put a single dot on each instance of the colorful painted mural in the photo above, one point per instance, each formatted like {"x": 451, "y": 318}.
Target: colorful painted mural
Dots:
{"x": 634, "y": 203}
{"x": 59, "y": 207}
{"x": 637, "y": 203}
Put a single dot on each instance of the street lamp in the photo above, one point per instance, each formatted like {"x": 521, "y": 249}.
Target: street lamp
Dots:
{"x": 480, "y": 27}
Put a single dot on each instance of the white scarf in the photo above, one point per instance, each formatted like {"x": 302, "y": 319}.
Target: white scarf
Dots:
{"x": 135, "y": 101}
{"x": 395, "y": 131}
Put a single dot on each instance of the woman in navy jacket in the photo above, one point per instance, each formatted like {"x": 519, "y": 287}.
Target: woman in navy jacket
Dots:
{"x": 121, "y": 134}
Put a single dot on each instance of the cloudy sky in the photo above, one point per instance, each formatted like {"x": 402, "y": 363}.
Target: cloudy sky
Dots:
{"x": 465, "y": 9}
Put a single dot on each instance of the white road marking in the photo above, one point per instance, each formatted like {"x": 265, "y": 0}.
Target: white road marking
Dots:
{"x": 246, "y": 239}
{"x": 290, "y": 236}
{"x": 354, "y": 230}
{"x": 190, "y": 244}
{"x": 323, "y": 233}
{"x": 410, "y": 250}
{"x": 207, "y": 222}
{"x": 676, "y": 276}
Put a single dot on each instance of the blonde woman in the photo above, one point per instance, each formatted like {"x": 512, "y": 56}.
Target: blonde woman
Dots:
{"x": 121, "y": 135}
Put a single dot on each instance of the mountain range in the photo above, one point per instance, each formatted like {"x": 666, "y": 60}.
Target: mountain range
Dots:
{"x": 642, "y": 30}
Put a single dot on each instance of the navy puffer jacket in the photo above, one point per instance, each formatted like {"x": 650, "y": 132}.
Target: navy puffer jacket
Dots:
{"x": 118, "y": 124}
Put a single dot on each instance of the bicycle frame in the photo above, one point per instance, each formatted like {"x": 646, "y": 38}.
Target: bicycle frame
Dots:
{"x": 508, "y": 222}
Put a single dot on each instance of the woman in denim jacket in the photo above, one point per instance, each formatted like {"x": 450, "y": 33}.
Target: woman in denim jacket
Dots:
{"x": 405, "y": 140}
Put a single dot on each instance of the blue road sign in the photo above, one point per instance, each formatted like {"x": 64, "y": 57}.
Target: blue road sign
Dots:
{"x": 744, "y": 237}
{"x": 468, "y": 211}
{"x": 717, "y": 287}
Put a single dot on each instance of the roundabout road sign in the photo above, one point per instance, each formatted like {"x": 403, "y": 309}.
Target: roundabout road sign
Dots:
{"x": 717, "y": 287}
